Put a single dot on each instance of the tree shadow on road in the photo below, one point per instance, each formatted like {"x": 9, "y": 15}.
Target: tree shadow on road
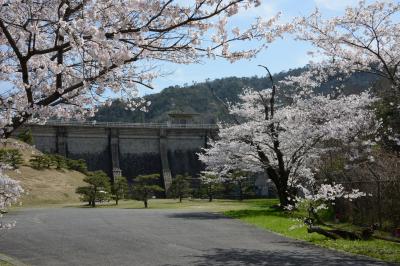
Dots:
{"x": 233, "y": 257}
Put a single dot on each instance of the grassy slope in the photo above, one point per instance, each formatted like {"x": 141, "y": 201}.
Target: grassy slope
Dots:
{"x": 48, "y": 186}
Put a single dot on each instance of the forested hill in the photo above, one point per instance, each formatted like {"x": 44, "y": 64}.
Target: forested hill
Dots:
{"x": 199, "y": 98}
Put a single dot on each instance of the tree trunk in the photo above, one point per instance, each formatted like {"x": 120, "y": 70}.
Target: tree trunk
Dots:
{"x": 319, "y": 230}
{"x": 338, "y": 233}
{"x": 116, "y": 200}
{"x": 145, "y": 203}
{"x": 94, "y": 196}
{"x": 283, "y": 196}
{"x": 280, "y": 181}
{"x": 240, "y": 191}
{"x": 180, "y": 198}
{"x": 210, "y": 193}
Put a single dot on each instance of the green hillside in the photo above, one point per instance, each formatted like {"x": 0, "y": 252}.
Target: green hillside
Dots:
{"x": 202, "y": 98}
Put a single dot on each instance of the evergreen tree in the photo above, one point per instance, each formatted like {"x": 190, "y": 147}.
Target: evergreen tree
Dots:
{"x": 119, "y": 188}
{"x": 59, "y": 161}
{"x": 77, "y": 165}
{"x": 144, "y": 187}
{"x": 40, "y": 162}
{"x": 180, "y": 187}
{"x": 98, "y": 187}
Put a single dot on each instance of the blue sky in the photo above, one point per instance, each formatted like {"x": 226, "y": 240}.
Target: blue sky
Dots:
{"x": 280, "y": 55}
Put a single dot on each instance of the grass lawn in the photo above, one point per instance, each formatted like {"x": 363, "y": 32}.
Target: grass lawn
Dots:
{"x": 286, "y": 224}
{"x": 190, "y": 205}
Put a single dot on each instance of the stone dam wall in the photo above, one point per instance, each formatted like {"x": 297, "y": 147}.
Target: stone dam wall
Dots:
{"x": 134, "y": 148}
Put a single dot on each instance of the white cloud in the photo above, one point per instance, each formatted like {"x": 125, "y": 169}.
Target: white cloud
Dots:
{"x": 335, "y": 4}
{"x": 265, "y": 10}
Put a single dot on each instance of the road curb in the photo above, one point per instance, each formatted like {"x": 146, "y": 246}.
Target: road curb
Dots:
{"x": 11, "y": 260}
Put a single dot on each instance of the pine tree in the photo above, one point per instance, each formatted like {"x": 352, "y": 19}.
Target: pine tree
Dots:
{"x": 144, "y": 187}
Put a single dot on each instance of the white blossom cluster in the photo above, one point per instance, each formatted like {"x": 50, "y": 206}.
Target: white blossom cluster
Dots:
{"x": 329, "y": 193}
{"x": 10, "y": 192}
{"x": 212, "y": 178}
{"x": 364, "y": 39}
{"x": 62, "y": 57}
{"x": 10, "y": 189}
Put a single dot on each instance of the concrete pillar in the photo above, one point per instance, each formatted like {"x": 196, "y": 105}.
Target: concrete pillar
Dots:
{"x": 166, "y": 171}
{"x": 61, "y": 139}
{"x": 114, "y": 150}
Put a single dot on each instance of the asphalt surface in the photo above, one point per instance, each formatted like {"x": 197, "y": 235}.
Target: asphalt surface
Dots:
{"x": 73, "y": 236}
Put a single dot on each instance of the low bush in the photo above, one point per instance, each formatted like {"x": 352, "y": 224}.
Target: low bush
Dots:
{"x": 77, "y": 165}
{"x": 41, "y": 162}
{"x": 59, "y": 161}
{"x": 12, "y": 157}
{"x": 47, "y": 161}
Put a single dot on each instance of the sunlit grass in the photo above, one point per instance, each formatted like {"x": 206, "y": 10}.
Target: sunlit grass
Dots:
{"x": 287, "y": 225}
{"x": 216, "y": 205}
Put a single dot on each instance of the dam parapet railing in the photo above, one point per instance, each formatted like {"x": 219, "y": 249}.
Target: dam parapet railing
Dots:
{"x": 122, "y": 124}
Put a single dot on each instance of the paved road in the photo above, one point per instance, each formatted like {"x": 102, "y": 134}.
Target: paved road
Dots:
{"x": 73, "y": 236}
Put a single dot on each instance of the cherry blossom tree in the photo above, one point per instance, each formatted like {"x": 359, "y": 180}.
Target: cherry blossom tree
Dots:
{"x": 61, "y": 56}
{"x": 284, "y": 141}
{"x": 364, "y": 39}
{"x": 10, "y": 193}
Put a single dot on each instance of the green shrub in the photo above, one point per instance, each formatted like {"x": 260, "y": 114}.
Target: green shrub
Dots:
{"x": 59, "y": 161}
{"x": 46, "y": 161}
{"x": 77, "y": 165}
{"x": 41, "y": 161}
{"x": 12, "y": 157}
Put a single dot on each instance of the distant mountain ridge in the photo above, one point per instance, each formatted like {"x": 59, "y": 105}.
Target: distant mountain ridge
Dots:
{"x": 202, "y": 98}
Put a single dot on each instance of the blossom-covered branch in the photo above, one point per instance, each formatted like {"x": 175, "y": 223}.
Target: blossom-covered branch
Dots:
{"x": 363, "y": 39}
{"x": 59, "y": 57}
